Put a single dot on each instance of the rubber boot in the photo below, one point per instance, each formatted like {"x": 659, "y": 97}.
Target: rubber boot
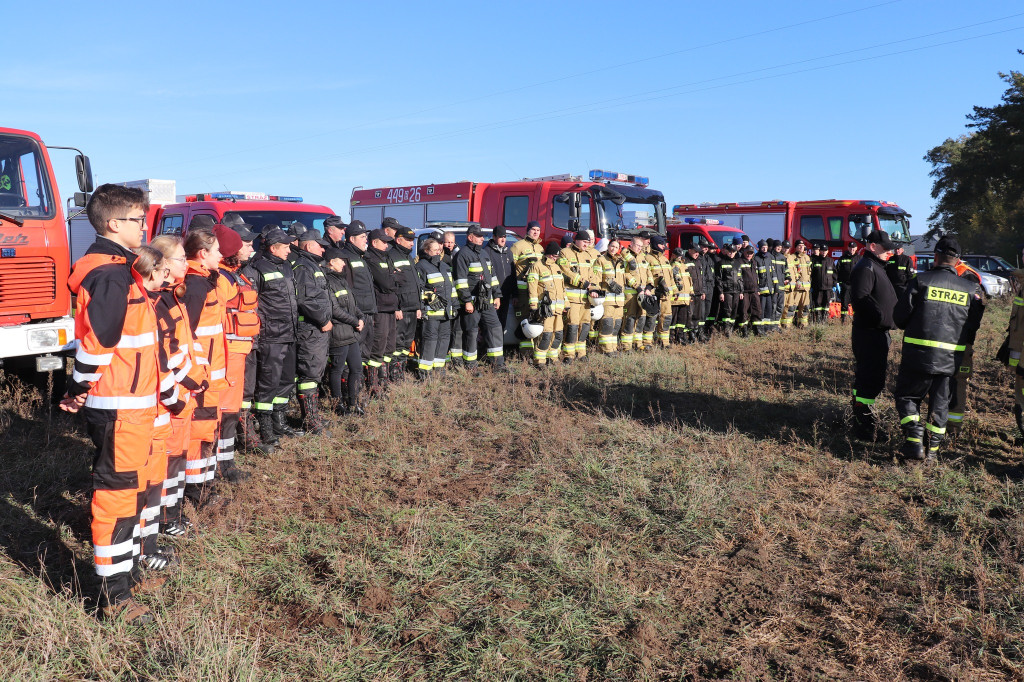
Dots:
{"x": 308, "y": 404}
{"x": 934, "y": 443}
{"x": 251, "y": 441}
{"x": 281, "y": 427}
{"x": 265, "y": 420}
{"x": 865, "y": 425}
{"x": 913, "y": 442}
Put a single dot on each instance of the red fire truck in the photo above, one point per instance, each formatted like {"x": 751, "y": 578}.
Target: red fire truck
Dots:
{"x": 36, "y": 328}
{"x": 603, "y": 203}
{"x": 835, "y": 222}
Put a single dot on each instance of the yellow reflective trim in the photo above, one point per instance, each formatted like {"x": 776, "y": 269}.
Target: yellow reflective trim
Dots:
{"x": 947, "y": 296}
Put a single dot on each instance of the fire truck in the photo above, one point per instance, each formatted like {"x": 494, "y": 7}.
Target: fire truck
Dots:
{"x": 36, "y": 327}
{"x": 605, "y": 203}
{"x": 171, "y": 213}
{"x": 834, "y": 222}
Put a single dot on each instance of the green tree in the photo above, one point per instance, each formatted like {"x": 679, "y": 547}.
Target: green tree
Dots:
{"x": 979, "y": 177}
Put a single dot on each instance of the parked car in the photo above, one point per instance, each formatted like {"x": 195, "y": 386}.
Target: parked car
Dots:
{"x": 993, "y": 285}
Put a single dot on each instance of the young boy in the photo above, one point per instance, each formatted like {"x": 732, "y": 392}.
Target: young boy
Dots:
{"x": 115, "y": 385}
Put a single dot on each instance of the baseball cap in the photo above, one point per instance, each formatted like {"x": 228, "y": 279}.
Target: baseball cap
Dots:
{"x": 201, "y": 220}
{"x": 296, "y": 229}
{"x": 244, "y": 231}
{"x": 355, "y": 228}
{"x": 499, "y": 231}
{"x": 228, "y": 240}
{"x": 405, "y": 232}
{"x": 272, "y": 234}
{"x": 381, "y": 235}
{"x": 334, "y": 221}
{"x": 646, "y": 234}
{"x": 948, "y": 245}
{"x": 391, "y": 222}
{"x": 880, "y": 237}
{"x": 332, "y": 252}
{"x": 678, "y": 252}
{"x": 786, "y": 244}
{"x": 313, "y": 236}
{"x": 475, "y": 230}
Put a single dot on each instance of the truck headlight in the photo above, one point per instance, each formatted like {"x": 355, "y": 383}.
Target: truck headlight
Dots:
{"x": 40, "y": 339}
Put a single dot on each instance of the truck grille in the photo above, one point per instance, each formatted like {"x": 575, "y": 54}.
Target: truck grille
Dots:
{"x": 26, "y": 282}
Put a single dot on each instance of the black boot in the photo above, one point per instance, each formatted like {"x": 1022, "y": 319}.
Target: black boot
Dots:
{"x": 933, "y": 444}
{"x": 308, "y": 404}
{"x": 913, "y": 442}
{"x": 265, "y": 420}
{"x": 281, "y": 427}
{"x": 865, "y": 425}
{"x": 250, "y": 439}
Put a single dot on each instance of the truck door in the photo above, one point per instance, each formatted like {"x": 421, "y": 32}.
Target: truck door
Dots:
{"x": 171, "y": 224}
{"x": 812, "y": 228}
{"x": 834, "y": 231}
{"x": 572, "y": 211}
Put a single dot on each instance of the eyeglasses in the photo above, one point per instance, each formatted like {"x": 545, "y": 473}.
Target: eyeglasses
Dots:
{"x": 182, "y": 259}
{"x": 138, "y": 221}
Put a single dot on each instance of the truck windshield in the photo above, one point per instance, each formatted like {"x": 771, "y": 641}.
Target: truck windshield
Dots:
{"x": 723, "y": 236}
{"x": 630, "y": 216}
{"x": 25, "y": 190}
{"x": 259, "y": 219}
{"x": 897, "y": 226}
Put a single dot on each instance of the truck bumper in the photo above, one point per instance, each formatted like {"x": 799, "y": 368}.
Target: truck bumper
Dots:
{"x": 45, "y": 341}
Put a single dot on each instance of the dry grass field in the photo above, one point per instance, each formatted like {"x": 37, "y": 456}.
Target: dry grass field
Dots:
{"x": 693, "y": 514}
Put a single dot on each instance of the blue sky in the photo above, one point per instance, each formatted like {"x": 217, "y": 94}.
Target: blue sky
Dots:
{"x": 726, "y": 101}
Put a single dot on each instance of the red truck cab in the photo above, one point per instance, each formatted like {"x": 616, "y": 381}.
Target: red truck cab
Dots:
{"x": 254, "y": 208}
{"x": 36, "y": 327}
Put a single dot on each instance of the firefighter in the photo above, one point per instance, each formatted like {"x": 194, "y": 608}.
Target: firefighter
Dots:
{"x": 695, "y": 266}
{"x": 682, "y": 294}
{"x": 356, "y": 242}
{"x": 959, "y": 382}
{"x": 451, "y": 249}
{"x": 278, "y": 312}
{"x": 501, "y": 259}
{"x": 525, "y": 253}
{"x": 748, "y": 306}
{"x": 782, "y": 283}
{"x": 313, "y": 333}
{"x": 576, "y": 265}
{"x": 205, "y": 303}
{"x": 546, "y": 286}
{"x": 664, "y": 290}
{"x": 633, "y": 314}
{"x": 294, "y": 231}
{"x": 347, "y": 322}
{"x": 385, "y": 289}
{"x": 241, "y": 324}
{"x": 843, "y": 270}
{"x": 610, "y": 272}
{"x": 1011, "y": 356}
{"x": 480, "y": 298}
{"x": 940, "y": 313}
{"x": 390, "y": 226}
{"x": 438, "y": 289}
{"x": 709, "y": 308}
{"x": 245, "y": 322}
{"x": 410, "y": 299}
{"x": 766, "y": 284}
{"x": 900, "y": 269}
{"x": 799, "y": 266}
{"x": 821, "y": 284}
{"x": 114, "y": 385}
{"x": 728, "y": 288}
{"x": 659, "y": 288}
{"x": 873, "y": 300}
{"x": 190, "y": 378}
{"x": 334, "y": 232}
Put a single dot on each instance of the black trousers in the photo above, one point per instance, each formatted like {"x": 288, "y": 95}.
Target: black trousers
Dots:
{"x": 366, "y": 337}
{"x": 871, "y": 355}
{"x": 249, "y": 385}
{"x": 727, "y": 309}
{"x": 748, "y": 311}
{"x": 845, "y": 298}
{"x": 485, "y": 321}
{"x": 912, "y": 388}
{"x": 455, "y": 340}
{"x": 275, "y": 374}
{"x": 405, "y": 332}
{"x": 778, "y": 304}
{"x": 311, "y": 349}
{"x": 346, "y": 360}
{"x": 384, "y": 337}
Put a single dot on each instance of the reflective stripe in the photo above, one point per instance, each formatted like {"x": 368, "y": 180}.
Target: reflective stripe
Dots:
{"x": 942, "y": 345}
{"x": 941, "y": 431}
{"x": 401, "y": 263}
{"x": 120, "y": 402}
{"x": 173, "y": 398}
{"x": 181, "y": 373}
{"x": 210, "y": 331}
{"x": 235, "y": 337}
{"x": 306, "y": 385}
{"x": 269, "y": 276}
{"x": 90, "y": 359}
{"x": 912, "y": 439}
{"x": 264, "y": 407}
{"x": 866, "y": 401}
{"x": 82, "y": 378}
{"x": 166, "y": 383}
{"x": 218, "y": 374}
{"x": 163, "y": 419}
{"x": 137, "y": 341}
{"x": 224, "y": 442}
{"x": 104, "y": 570}
{"x": 109, "y": 551}
{"x": 175, "y": 360}
{"x": 910, "y": 418}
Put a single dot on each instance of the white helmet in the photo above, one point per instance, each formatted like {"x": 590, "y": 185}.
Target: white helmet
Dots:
{"x": 531, "y": 330}
{"x": 597, "y": 312}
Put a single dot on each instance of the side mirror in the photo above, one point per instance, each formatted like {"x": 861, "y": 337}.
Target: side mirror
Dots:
{"x": 81, "y": 199}
{"x": 84, "y": 171}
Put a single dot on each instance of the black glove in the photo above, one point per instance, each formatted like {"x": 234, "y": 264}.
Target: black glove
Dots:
{"x": 536, "y": 317}
{"x": 631, "y": 266}
{"x": 585, "y": 284}
{"x": 614, "y": 287}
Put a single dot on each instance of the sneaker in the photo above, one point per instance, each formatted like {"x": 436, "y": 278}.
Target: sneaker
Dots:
{"x": 128, "y": 611}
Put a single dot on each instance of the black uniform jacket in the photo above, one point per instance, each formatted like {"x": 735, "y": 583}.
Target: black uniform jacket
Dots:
{"x": 871, "y": 295}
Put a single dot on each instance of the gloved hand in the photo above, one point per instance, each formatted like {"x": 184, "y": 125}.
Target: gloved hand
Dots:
{"x": 585, "y": 284}
{"x": 631, "y": 266}
{"x": 614, "y": 287}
